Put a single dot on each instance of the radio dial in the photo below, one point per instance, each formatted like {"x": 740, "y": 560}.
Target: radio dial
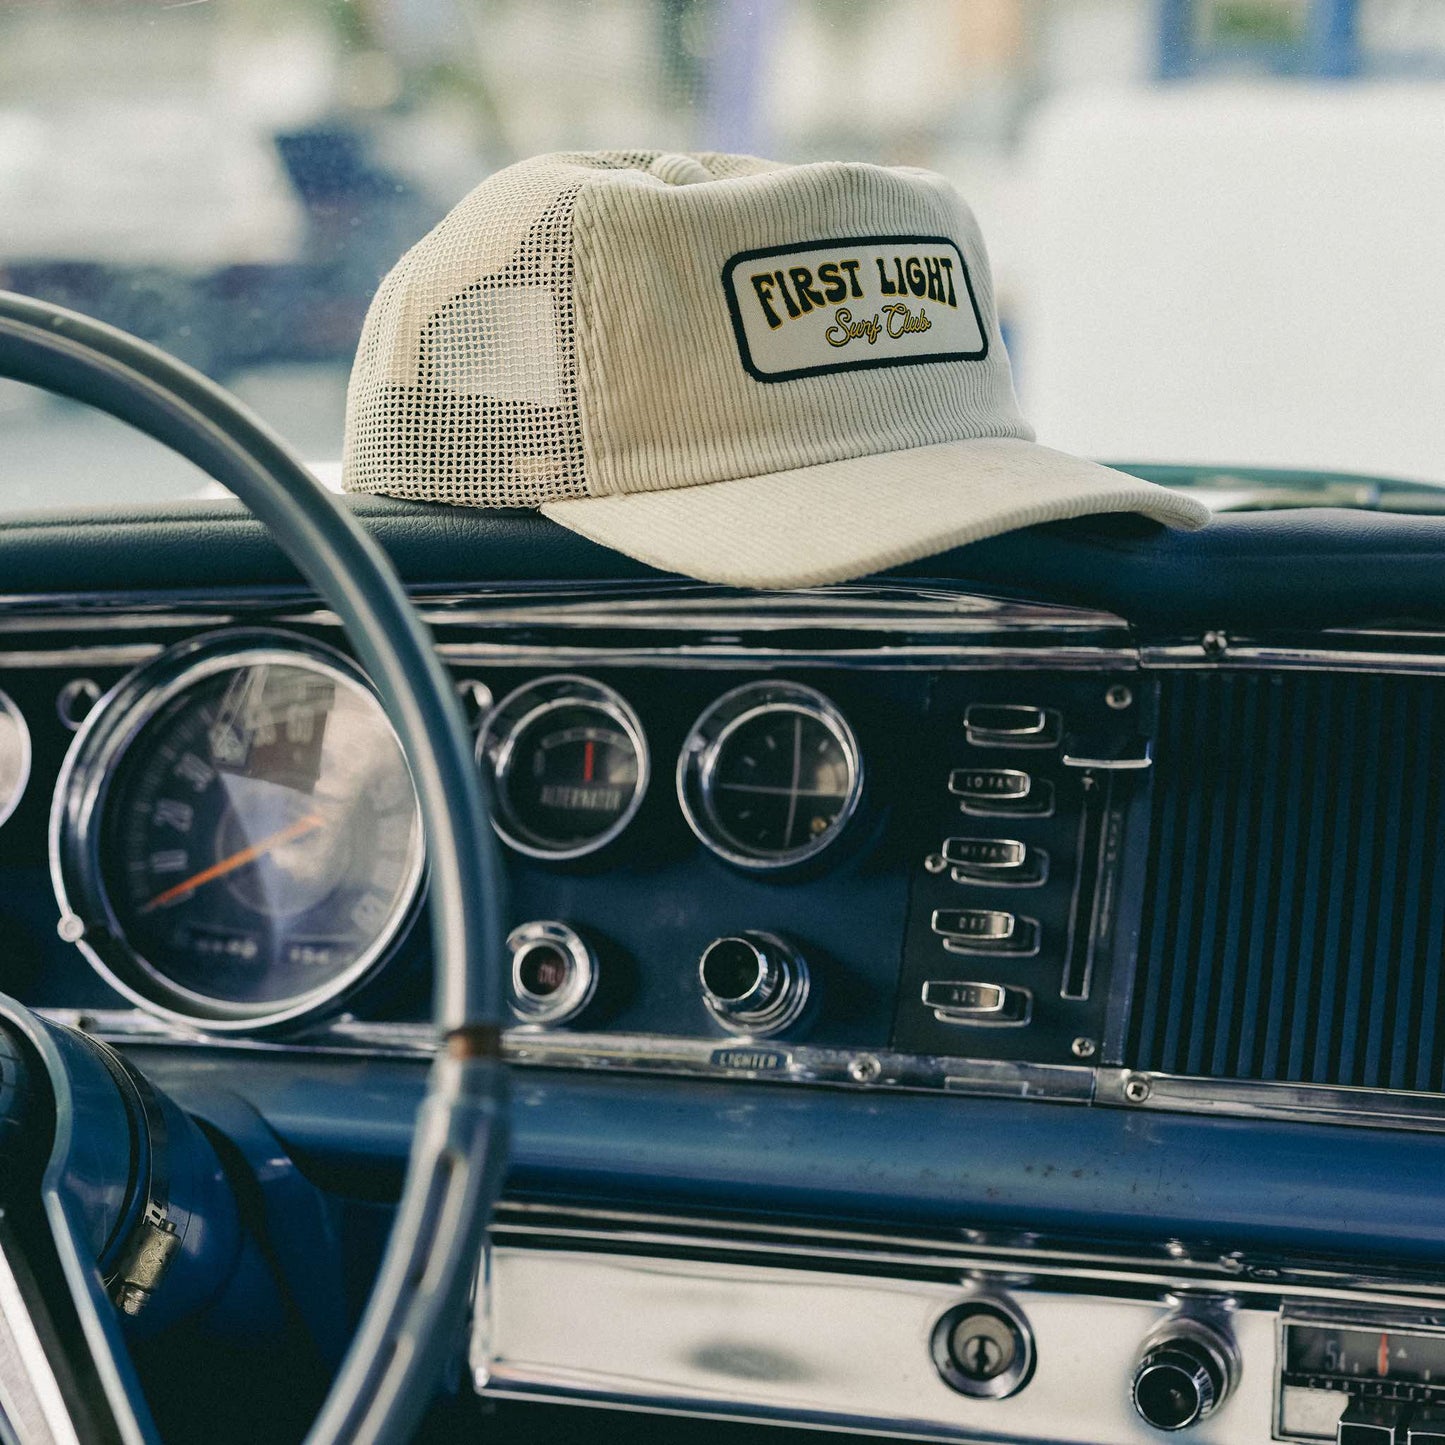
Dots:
{"x": 1184, "y": 1375}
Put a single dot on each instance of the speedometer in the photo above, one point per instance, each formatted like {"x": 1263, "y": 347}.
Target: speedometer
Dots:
{"x": 237, "y": 836}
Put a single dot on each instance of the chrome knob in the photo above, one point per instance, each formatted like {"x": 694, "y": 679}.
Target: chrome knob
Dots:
{"x": 1183, "y": 1375}
{"x": 554, "y": 973}
{"x": 753, "y": 983}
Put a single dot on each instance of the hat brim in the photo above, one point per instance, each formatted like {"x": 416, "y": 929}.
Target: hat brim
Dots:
{"x": 841, "y": 520}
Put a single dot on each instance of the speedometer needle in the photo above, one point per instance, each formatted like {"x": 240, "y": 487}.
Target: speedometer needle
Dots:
{"x": 236, "y": 860}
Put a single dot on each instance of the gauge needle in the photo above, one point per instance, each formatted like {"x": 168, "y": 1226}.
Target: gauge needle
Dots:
{"x": 236, "y": 860}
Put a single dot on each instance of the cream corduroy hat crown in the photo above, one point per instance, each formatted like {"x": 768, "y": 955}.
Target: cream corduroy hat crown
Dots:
{"x": 752, "y": 373}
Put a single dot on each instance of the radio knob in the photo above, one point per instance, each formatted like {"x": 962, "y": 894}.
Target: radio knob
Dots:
{"x": 1183, "y": 1376}
{"x": 753, "y": 983}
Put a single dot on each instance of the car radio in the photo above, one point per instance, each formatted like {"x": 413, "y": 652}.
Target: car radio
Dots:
{"x": 1393, "y": 1375}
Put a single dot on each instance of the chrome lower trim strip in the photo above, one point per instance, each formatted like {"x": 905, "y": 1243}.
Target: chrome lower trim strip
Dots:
{"x": 343, "y": 1035}
{"x": 1167, "y": 1268}
{"x": 770, "y": 1061}
{"x": 774, "y": 1061}
{"x": 1252, "y": 656}
{"x": 777, "y": 1061}
{"x": 782, "y": 1062}
{"x": 930, "y": 657}
{"x": 1299, "y": 1103}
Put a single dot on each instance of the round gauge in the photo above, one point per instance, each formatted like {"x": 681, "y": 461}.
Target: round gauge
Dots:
{"x": 236, "y": 832}
{"x": 769, "y": 775}
{"x": 569, "y": 765}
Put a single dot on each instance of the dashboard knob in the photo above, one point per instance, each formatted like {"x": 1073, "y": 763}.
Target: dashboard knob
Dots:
{"x": 554, "y": 973}
{"x": 1183, "y": 1375}
{"x": 753, "y": 983}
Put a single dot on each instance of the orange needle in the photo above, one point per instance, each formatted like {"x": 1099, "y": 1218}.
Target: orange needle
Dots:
{"x": 298, "y": 829}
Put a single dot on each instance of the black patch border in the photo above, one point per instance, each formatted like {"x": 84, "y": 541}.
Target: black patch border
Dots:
{"x": 868, "y": 364}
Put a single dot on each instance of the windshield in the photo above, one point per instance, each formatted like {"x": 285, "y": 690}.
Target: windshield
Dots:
{"x": 1215, "y": 224}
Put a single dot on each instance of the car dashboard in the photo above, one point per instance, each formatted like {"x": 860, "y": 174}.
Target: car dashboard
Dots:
{"x": 939, "y": 1009}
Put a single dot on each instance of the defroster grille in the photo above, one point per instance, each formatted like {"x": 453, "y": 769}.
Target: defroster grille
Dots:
{"x": 1294, "y": 915}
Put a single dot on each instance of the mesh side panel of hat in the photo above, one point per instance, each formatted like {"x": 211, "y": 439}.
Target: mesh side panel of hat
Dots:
{"x": 466, "y": 393}
{"x": 464, "y": 388}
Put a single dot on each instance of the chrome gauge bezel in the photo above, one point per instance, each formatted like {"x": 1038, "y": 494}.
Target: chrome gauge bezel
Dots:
{"x": 703, "y": 749}
{"x": 87, "y": 917}
{"x": 516, "y": 713}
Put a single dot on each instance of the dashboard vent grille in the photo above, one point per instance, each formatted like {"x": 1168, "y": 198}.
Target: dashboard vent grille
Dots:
{"x": 1294, "y": 913}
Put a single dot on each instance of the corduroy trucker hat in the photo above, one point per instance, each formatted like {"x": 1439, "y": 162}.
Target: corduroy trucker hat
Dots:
{"x": 751, "y": 373}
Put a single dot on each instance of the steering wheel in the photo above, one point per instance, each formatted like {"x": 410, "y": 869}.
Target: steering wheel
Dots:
{"x": 410, "y": 1323}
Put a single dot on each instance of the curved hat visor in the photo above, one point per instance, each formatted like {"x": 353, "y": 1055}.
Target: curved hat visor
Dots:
{"x": 841, "y": 520}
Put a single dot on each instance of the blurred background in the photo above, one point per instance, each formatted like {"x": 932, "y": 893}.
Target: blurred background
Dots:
{"x": 1216, "y": 225}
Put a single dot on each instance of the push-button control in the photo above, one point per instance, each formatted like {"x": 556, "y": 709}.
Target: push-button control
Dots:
{"x": 1426, "y": 1425}
{"x": 1373, "y": 1422}
{"x": 957, "y": 1002}
{"x": 990, "y": 854}
{"x": 1005, "y": 861}
{"x": 1011, "y": 725}
{"x": 989, "y": 931}
{"x": 1000, "y": 792}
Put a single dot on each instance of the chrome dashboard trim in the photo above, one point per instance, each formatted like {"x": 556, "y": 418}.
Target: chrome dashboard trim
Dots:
{"x": 900, "y": 658}
{"x": 1168, "y": 1267}
{"x": 590, "y": 604}
{"x": 781, "y": 1062}
{"x": 1005, "y": 630}
{"x": 931, "y": 625}
{"x": 1265, "y": 1099}
{"x": 687, "y": 606}
{"x": 724, "y": 1057}
{"x": 1256, "y": 656}
{"x": 904, "y": 624}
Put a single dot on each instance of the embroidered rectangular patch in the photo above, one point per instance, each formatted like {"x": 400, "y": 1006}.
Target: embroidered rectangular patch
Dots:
{"x": 850, "y": 304}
